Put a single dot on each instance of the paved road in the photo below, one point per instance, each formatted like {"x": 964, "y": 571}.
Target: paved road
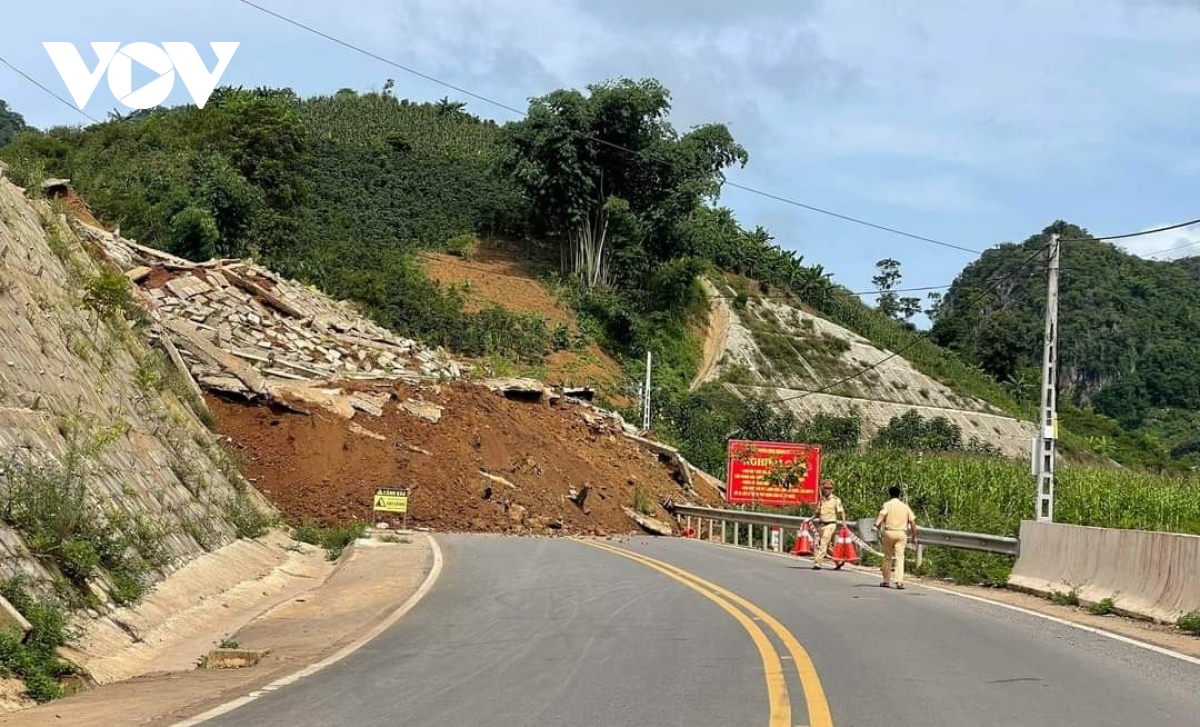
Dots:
{"x": 555, "y": 632}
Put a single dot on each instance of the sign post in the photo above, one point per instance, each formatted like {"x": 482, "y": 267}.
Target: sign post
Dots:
{"x": 782, "y": 474}
{"x": 391, "y": 499}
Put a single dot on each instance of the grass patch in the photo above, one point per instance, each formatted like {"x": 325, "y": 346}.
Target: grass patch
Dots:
{"x": 34, "y": 660}
{"x": 247, "y": 519}
{"x": 48, "y": 503}
{"x": 334, "y": 540}
{"x": 641, "y": 501}
{"x": 1190, "y": 623}
{"x": 1103, "y": 607}
{"x": 1070, "y": 598}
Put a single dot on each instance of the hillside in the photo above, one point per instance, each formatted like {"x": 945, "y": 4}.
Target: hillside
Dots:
{"x": 492, "y": 273}
{"x": 777, "y": 349}
{"x": 1128, "y": 333}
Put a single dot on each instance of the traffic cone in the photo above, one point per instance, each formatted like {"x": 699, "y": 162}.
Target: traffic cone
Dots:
{"x": 843, "y": 547}
{"x": 804, "y": 541}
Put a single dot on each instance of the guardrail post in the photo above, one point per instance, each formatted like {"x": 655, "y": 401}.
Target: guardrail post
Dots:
{"x": 689, "y": 522}
{"x": 710, "y": 529}
{"x": 920, "y": 554}
{"x": 723, "y": 538}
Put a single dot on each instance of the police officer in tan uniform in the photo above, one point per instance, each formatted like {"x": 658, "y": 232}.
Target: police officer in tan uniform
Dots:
{"x": 896, "y": 523}
{"x": 829, "y": 513}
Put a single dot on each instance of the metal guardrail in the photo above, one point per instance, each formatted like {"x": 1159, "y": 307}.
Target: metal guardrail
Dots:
{"x": 866, "y": 531}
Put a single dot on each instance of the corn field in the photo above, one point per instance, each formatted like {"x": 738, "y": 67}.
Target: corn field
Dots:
{"x": 993, "y": 495}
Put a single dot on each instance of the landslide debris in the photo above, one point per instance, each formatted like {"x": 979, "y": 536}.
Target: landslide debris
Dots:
{"x": 327, "y": 405}
{"x": 488, "y": 463}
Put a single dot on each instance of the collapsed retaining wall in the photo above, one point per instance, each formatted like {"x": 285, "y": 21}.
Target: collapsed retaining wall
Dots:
{"x": 1153, "y": 575}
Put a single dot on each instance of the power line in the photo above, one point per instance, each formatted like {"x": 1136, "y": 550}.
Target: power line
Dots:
{"x": 912, "y": 343}
{"x": 1171, "y": 249}
{"x": 37, "y": 83}
{"x": 619, "y": 147}
{"x": 1128, "y": 235}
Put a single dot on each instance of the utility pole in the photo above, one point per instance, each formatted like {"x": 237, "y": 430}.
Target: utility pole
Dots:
{"x": 1044, "y": 470}
{"x": 646, "y": 397}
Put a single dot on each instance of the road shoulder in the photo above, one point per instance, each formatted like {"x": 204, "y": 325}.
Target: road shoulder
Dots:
{"x": 375, "y": 582}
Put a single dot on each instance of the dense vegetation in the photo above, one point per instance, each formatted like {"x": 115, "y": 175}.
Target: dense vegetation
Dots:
{"x": 1127, "y": 341}
{"x": 10, "y": 123}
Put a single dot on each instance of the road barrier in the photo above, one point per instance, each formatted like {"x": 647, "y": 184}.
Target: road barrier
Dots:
{"x": 704, "y": 520}
{"x": 1147, "y": 574}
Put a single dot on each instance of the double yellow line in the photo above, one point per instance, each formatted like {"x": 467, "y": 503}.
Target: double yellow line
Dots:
{"x": 777, "y": 691}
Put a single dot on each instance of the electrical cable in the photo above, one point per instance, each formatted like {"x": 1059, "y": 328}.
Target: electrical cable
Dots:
{"x": 37, "y": 83}
{"x": 643, "y": 155}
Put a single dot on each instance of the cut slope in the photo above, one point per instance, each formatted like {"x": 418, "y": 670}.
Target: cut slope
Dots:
{"x": 778, "y": 349}
{"x": 98, "y": 446}
{"x": 495, "y": 275}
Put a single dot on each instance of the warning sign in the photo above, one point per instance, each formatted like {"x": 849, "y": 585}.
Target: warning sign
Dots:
{"x": 772, "y": 473}
{"x": 391, "y": 500}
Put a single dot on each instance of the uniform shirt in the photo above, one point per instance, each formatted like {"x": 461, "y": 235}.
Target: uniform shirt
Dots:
{"x": 896, "y": 515}
{"x": 829, "y": 509}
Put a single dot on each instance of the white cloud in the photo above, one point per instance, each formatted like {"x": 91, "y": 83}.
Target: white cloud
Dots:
{"x": 1169, "y": 245}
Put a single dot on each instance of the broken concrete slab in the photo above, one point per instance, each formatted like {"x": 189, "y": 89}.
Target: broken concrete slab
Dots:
{"x": 138, "y": 274}
{"x": 361, "y": 430}
{"x": 331, "y": 399}
{"x": 362, "y": 403}
{"x": 497, "y": 479}
{"x": 431, "y": 413}
{"x": 191, "y": 339}
{"x": 186, "y": 286}
{"x": 649, "y": 524}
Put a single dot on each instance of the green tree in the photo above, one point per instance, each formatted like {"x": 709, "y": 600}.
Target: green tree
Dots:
{"x": 888, "y": 303}
{"x": 11, "y": 123}
{"x": 585, "y": 159}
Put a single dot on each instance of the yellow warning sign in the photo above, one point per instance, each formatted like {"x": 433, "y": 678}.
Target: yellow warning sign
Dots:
{"x": 390, "y": 500}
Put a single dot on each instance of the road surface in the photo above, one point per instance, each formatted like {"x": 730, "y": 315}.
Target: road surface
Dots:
{"x": 523, "y": 632}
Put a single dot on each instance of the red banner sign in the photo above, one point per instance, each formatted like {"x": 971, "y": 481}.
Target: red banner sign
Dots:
{"x": 773, "y": 473}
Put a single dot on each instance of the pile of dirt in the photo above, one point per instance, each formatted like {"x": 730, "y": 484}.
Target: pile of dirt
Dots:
{"x": 439, "y": 441}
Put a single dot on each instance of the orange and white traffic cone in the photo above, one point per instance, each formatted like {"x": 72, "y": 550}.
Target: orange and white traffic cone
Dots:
{"x": 804, "y": 541}
{"x": 843, "y": 548}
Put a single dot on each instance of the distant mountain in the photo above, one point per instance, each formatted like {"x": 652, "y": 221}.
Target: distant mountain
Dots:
{"x": 1129, "y": 329}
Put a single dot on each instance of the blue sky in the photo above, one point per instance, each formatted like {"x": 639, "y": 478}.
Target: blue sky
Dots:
{"x": 965, "y": 121}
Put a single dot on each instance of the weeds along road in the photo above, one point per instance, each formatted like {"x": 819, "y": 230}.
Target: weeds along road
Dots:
{"x": 523, "y": 632}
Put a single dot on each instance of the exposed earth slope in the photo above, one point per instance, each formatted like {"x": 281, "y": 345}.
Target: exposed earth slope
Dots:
{"x": 776, "y": 348}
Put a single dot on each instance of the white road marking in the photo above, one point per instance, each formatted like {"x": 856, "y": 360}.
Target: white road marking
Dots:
{"x": 1028, "y": 612}
{"x": 387, "y": 623}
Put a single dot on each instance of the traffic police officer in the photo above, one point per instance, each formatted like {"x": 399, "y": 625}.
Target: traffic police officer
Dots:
{"x": 829, "y": 513}
{"x": 896, "y": 523}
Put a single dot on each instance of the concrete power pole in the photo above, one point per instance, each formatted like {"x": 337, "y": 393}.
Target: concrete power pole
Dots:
{"x": 1044, "y": 469}
{"x": 646, "y": 397}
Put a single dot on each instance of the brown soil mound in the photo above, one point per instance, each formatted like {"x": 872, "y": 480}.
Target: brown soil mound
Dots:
{"x": 318, "y": 468}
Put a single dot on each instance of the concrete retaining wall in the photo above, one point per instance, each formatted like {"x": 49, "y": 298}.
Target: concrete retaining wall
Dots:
{"x": 1153, "y": 575}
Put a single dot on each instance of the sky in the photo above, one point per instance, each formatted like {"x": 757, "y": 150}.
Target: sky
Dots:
{"x": 968, "y": 122}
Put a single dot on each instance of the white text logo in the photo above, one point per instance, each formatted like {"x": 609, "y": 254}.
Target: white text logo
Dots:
{"x": 118, "y": 61}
